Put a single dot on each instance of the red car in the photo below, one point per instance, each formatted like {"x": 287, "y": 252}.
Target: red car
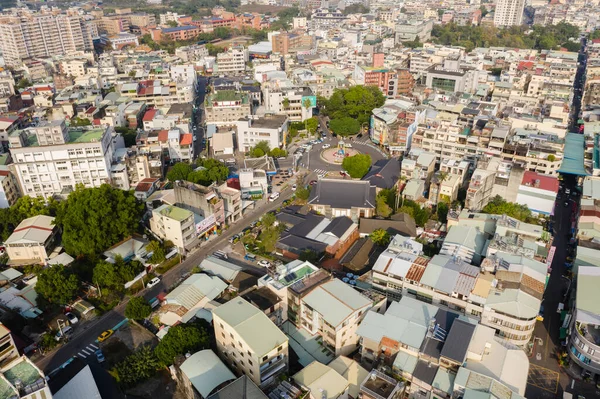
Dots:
{"x": 313, "y": 182}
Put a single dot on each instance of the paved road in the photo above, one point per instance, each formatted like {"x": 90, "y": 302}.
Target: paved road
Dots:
{"x": 86, "y": 334}
{"x": 314, "y": 163}
{"x": 546, "y": 379}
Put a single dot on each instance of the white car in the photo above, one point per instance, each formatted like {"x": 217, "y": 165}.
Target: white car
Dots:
{"x": 326, "y": 146}
{"x": 264, "y": 263}
{"x": 294, "y": 187}
{"x": 273, "y": 196}
{"x": 348, "y": 145}
{"x": 153, "y": 282}
{"x": 72, "y": 318}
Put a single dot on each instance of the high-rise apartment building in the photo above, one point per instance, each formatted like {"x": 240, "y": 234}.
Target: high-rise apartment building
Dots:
{"x": 25, "y": 34}
{"x": 509, "y": 12}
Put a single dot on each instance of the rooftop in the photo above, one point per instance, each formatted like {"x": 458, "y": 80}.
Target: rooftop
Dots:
{"x": 252, "y": 325}
{"x": 336, "y": 301}
{"x": 174, "y": 212}
{"x": 206, "y": 371}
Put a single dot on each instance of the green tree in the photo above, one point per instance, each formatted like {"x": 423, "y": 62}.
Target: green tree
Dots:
{"x": 312, "y": 124}
{"x": 158, "y": 252}
{"x": 136, "y": 367}
{"x": 358, "y": 165}
{"x": 260, "y": 149}
{"x": 27, "y": 207}
{"x": 380, "y": 237}
{"x": 277, "y": 153}
{"x": 179, "y": 171}
{"x": 48, "y": 341}
{"x": 75, "y": 122}
{"x": 382, "y": 208}
{"x": 214, "y": 50}
{"x": 356, "y": 8}
{"x": 595, "y": 34}
{"x": 23, "y": 83}
{"x": 356, "y": 102}
{"x": 57, "y": 285}
{"x": 268, "y": 220}
{"x": 285, "y": 103}
{"x": 309, "y": 255}
{"x": 303, "y": 193}
{"x": 442, "y": 212}
{"x": 106, "y": 276}
{"x": 137, "y": 308}
{"x": 172, "y": 24}
{"x": 551, "y": 158}
{"x": 344, "y": 126}
{"x": 181, "y": 339}
{"x": 484, "y": 11}
{"x": 499, "y": 206}
{"x": 93, "y": 219}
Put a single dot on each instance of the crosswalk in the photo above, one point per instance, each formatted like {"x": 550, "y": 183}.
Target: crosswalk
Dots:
{"x": 88, "y": 351}
{"x": 365, "y": 142}
{"x": 320, "y": 171}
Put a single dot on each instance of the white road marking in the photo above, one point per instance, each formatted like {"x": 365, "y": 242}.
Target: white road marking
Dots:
{"x": 80, "y": 355}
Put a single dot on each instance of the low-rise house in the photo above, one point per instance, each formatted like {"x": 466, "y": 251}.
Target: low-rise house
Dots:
{"x": 538, "y": 192}
{"x": 318, "y": 234}
{"x": 352, "y": 371}
{"x": 466, "y": 243}
{"x": 146, "y": 188}
{"x": 249, "y": 342}
{"x": 174, "y": 224}
{"x": 252, "y": 130}
{"x": 32, "y": 241}
{"x": 414, "y": 190}
{"x": 384, "y": 174}
{"x": 400, "y": 223}
{"x": 193, "y": 294}
{"x": 206, "y": 373}
{"x": 253, "y": 181}
{"x": 350, "y": 198}
{"x": 242, "y": 388}
{"x": 322, "y": 382}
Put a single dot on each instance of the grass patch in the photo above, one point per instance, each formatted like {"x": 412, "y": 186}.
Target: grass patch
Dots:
{"x": 167, "y": 265}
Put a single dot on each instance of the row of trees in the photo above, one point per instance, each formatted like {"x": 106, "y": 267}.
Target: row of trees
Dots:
{"x": 209, "y": 171}
{"x": 263, "y": 148}
{"x": 499, "y": 206}
{"x": 538, "y": 37}
{"x": 144, "y": 363}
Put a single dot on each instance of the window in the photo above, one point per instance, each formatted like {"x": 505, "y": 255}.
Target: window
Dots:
{"x": 265, "y": 358}
{"x": 280, "y": 348}
{"x": 250, "y": 362}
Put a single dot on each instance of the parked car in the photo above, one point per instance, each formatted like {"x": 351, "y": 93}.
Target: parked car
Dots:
{"x": 100, "y": 356}
{"x": 105, "y": 335}
{"x": 72, "y": 318}
{"x": 344, "y": 173}
{"x": 348, "y": 145}
{"x": 294, "y": 187}
{"x": 64, "y": 332}
{"x": 153, "y": 282}
{"x": 264, "y": 263}
{"x": 313, "y": 182}
{"x": 359, "y": 135}
{"x": 326, "y": 146}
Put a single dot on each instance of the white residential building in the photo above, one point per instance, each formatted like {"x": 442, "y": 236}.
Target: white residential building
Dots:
{"x": 51, "y": 159}
{"x": 250, "y": 342}
{"x": 509, "y": 13}
{"x": 175, "y": 224}
{"x": 232, "y": 62}
{"x": 271, "y": 128}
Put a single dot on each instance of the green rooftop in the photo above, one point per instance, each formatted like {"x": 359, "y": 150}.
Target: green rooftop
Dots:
{"x": 227, "y": 95}
{"x": 23, "y": 372}
{"x": 174, "y": 212}
{"x": 85, "y": 136}
{"x": 295, "y": 276}
{"x": 6, "y": 391}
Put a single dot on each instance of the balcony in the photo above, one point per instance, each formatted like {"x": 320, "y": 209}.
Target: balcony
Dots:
{"x": 272, "y": 368}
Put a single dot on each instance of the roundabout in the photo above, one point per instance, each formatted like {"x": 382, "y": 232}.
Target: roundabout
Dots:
{"x": 336, "y": 156}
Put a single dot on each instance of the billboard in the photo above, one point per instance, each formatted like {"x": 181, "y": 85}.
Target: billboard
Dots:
{"x": 313, "y": 100}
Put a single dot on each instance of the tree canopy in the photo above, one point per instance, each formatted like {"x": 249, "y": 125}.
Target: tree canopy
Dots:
{"x": 303, "y": 193}
{"x": 357, "y": 165}
{"x": 137, "y": 308}
{"x": 136, "y": 367}
{"x": 261, "y": 148}
{"x": 345, "y": 126}
{"x": 380, "y": 237}
{"x": 499, "y": 206}
{"x": 93, "y": 219}
{"x": 57, "y": 284}
{"x": 181, "y": 339}
{"x": 210, "y": 171}
{"x": 421, "y": 215}
{"x": 541, "y": 37}
{"x": 356, "y": 8}
{"x": 356, "y": 102}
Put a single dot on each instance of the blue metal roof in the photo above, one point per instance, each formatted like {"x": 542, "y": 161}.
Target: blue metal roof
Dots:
{"x": 573, "y": 155}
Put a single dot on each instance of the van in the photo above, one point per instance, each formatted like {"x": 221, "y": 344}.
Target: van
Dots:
{"x": 273, "y": 196}
{"x": 64, "y": 332}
